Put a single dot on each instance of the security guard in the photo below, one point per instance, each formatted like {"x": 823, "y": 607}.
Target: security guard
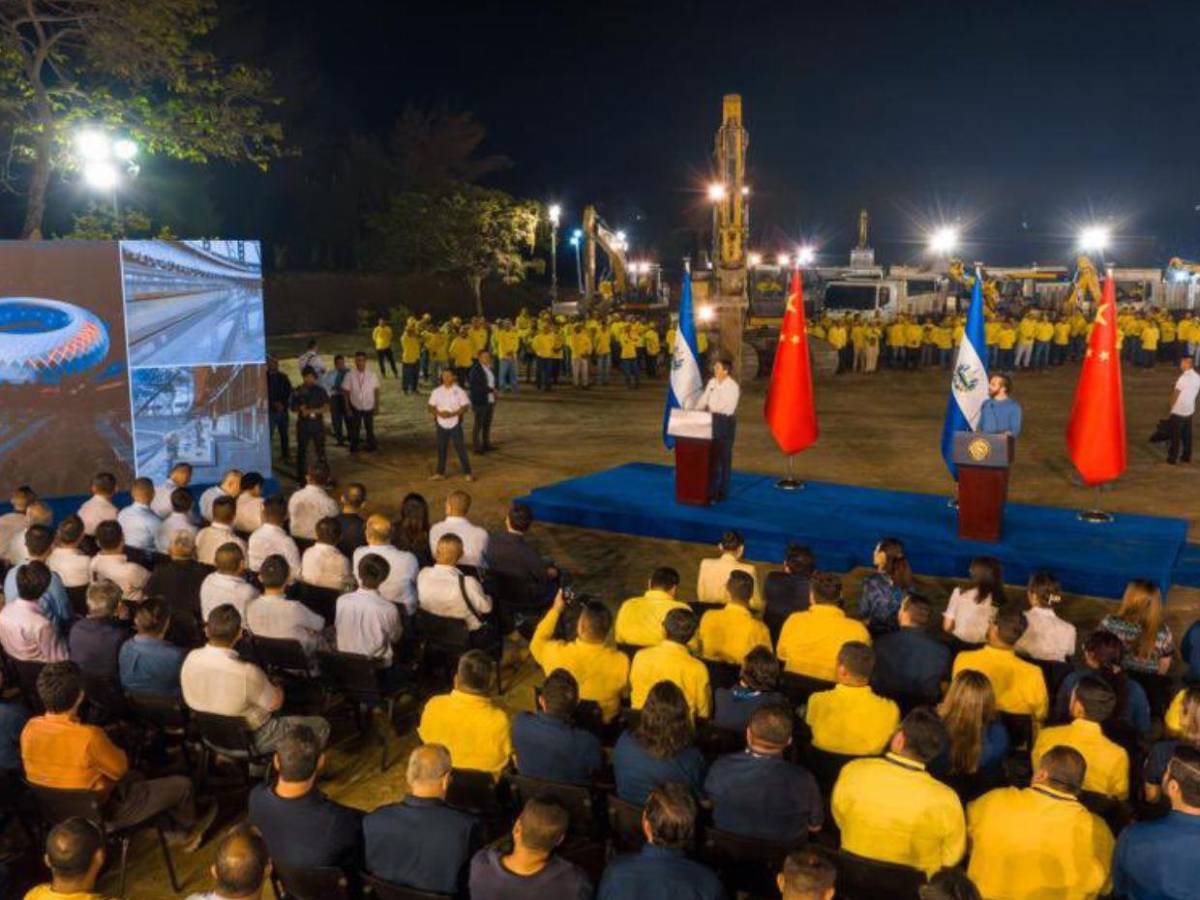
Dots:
{"x": 309, "y": 401}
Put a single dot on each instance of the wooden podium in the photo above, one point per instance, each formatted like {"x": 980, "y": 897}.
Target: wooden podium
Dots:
{"x": 694, "y": 452}
{"x": 983, "y": 461}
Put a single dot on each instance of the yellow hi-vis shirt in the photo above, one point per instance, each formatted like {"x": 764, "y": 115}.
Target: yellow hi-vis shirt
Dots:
{"x": 629, "y": 345}
{"x": 650, "y": 342}
{"x": 1019, "y": 686}
{"x": 436, "y": 343}
{"x": 672, "y": 662}
{"x": 1045, "y": 331}
{"x": 474, "y": 729}
{"x": 727, "y": 635}
{"x": 1006, "y": 337}
{"x": 462, "y": 351}
{"x": 543, "y": 345}
{"x": 382, "y": 336}
{"x": 602, "y": 671}
{"x": 640, "y": 619}
{"x": 1107, "y": 763}
{"x": 410, "y": 348}
{"x": 811, "y": 640}
{"x": 852, "y": 720}
{"x": 507, "y": 343}
{"x": 581, "y": 343}
{"x": 1062, "y": 333}
{"x": 479, "y": 338}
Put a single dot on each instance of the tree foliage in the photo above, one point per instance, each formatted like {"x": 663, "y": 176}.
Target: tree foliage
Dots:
{"x": 100, "y": 222}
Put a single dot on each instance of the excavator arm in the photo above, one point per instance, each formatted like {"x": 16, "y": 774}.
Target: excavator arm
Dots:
{"x": 596, "y": 234}
{"x": 1183, "y": 265}
{"x": 1085, "y": 285}
{"x": 991, "y": 291}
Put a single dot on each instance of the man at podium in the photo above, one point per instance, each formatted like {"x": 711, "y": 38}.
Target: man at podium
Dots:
{"x": 720, "y": 398}
{"x": 1000, "y": 413}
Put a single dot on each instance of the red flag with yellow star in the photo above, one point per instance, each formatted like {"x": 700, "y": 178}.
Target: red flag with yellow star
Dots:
{"x": 790, "y": 412}
{"x": 1096, "y": 430}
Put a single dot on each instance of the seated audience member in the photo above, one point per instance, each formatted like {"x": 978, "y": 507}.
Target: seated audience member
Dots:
{"x": 248, "y": 515}
{"x": 445, "y": 590}
{"x": 672, "y": 661}
{"x": 757, "y": 793}
{"x": 1019, "y": 685}
{"x": 910, "y": 662}
{"x": 350, "y": 520}
{"x": 13, "y": 716}
{"x": 1189, "y": 650}
{"x": 74, "y": 856}
{"x": 728, "y": 634}
{"x": 1184, "y": 725}
{"x": 270, "y": 538}
{"x": 179, "y": 477}
{"x": 806, "y": 875}
{"x": 39, "y": 546}
{"x": 242, "y": 868}
{"x": 714, "y": 573}
{"x": 421, "y": 842}
{"x": 322, "y": 564}
{"x": 311, "y": 504}
{"x": 411, "y": 528}
{"x": 228, "y": 584}
{"x": 15, "y": 521}
{"x": 640, "y": 619}
{"x": 891, "y": 809}
{"x": 215, "y": 536}
{"x": 1092, "y": 703}
{"x": 26, "y": 633}
{"x": 1138, "y": 622}
{"x": 949, "y": 884}
{"x": 811, "y": 640}
{"x": 303, "y": 827}
{"x": 851, "y": 719}
{"x": 661, "y": 869}
{"x": 531, "y": 869}
{"x": 1040, "y": 841}
{"x": 467, "y": 721}
{"x": 365, "y": 623}
{"x": 178, "y": 581}
{"x": 512, "y": 557}
{"x": 139, "y": 523}
{"x": 95, "y": 641}
{"x": 180, "y": 518}
{"x": 972, "y": 609}
{"x": 59, "y": 751}
{"x": 66, "y": 560}
{"x": 977, "y": 739}
{"x": 274, "y": 615}
{"x": 1158, "y": 858}
{"x": 38, "y": 513}
{"x": 885, "y": 589}
{"x": 600, "y": 670}
{"x": 756, "y": 686}
{"x": 400, "y": 587}
{"x": 112, "y": 563}
{"x": 147, "y": 662}
{"x": 474, "y": 539}
{"x": 216, "y": 680}
{"x": 547, "y": 745}
{"x": 660, "y": 747}
{"x": 99, "y": 507}
{"x": 230, "y": 486}
{"x": 787, "y": 592}
{"x": 1102, "y": 655}
{"x": 1048, "y": 637}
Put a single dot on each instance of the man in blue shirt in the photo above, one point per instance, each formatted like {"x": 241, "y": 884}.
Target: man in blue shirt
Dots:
{"x": 546, "y": 745}
{"x": 911, "y": 664}
{"x": 55, "y": 604}
{"x": 1000, "y": 414}
{"x": 1157, "y": 860}
{"x": 149, "y": 664}
{"x": 661, "y": 871}
{"x": 95, "y": 642}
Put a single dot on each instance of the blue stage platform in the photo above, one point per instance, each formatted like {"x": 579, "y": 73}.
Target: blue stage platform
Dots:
{"x": 841, "y": 524}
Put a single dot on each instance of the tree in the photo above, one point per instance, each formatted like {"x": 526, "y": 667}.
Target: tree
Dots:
{"x": 472, "y": 232}
{"x": 135, "y": 66}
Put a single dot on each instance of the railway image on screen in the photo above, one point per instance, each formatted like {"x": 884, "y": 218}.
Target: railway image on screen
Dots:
{"x": 193, "y": 302}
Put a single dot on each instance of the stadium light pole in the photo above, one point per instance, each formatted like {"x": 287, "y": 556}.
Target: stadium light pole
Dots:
{"x": 1095, "y": 239}
{"x": 102, "y": 157}
{"x": 576, "y": 239}
{"x": 555, "y": 213}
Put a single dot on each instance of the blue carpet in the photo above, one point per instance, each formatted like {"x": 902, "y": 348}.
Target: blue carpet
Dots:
{"x": 841, "y": 524}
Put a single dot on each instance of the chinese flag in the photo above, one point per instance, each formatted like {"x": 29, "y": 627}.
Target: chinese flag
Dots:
{"x": 1096, "y": 431}
{"x": 790, "y": 413}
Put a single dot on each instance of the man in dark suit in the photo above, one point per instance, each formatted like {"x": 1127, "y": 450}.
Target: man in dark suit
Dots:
{"x": 351, "y": 520}
{"x": 911, "y": 664}
{"x": 519, "y": 577}
{"x": 481, "y": 388}
{"x": 546, "y": 745}
{"x": 786, "y": 592}
{"x": 177, "y": 580}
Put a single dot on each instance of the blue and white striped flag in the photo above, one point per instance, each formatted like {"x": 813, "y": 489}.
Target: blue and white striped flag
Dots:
{"x": 969, "y": 380}
{"x": 686, "y": 382}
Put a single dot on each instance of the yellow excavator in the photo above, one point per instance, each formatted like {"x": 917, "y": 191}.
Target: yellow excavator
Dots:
{"x": 1084, "y": 286}
{"x": 596, "y": 233}
{"x": 991, "y": 289}
{"x": 1186, "y": 266}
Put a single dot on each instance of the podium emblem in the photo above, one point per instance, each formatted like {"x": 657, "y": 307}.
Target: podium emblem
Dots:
{"x": 979, "y": 449}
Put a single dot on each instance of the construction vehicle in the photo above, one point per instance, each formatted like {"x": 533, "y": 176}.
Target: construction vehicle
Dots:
{"x": 596, "y": 233}
{"x": 991, "y": 289}
{"x": 728, "y": 297}
{"x": 1085, "y": 286}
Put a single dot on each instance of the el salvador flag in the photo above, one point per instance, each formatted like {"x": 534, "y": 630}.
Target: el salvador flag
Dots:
{"x": 686, "y": 382}
{"x": 969, "y": 381}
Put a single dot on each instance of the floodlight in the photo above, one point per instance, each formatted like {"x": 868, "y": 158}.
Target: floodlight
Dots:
{"x": 805, "y": 255}
{"x": 124, "y": 149}
{"x": 783, "y": 259}
{"x": 706, "y": 313}
{"x": 754, "y": 259}
{"x": 944, "y": 240}
{"x": 555, "y": 212}
{"x": 1095, "y": 238}
{"x": 93, "y": 145}
{"x": 100, "y": 174}
{"x": 716, "y": 192}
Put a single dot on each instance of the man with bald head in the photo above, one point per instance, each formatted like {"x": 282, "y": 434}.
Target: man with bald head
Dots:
{"x": 242, "y": 867}
{"x": 75, "y": 856}
{"x": 400, "y": 586}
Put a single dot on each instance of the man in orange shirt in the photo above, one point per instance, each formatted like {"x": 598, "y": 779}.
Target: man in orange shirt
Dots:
{"x": 59, "y": 751}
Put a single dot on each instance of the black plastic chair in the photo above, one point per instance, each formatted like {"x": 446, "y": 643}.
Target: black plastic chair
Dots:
{"x": 446, "y": 639}
{"x": 869, "y": 879}
{"x": 77, "y": 597}
{"x": 1053, "y": 673}
{"x": 227, "y": 736}
{"x": 699, "y": 608}
{"x": 162, "y": 719}
{"x": 625, "y": 825}
{"x": 722, "y": 674}
{"x": 714, "y": 741}
{"x": 630, "y": 650}
{"x": 356, "y": 678}
{"x": 106, "y": 701}
{"x": 321, "y": 600}
{"x": 825, "y": 767}
{"x": 1020, "y": 731}
{"x": 385, "y": 890}
{"x": 581, "y": 801}
{"x": 746, "y": 864}
{"x": 313, "y": 883}
{"x": 474, "y": 791}
{"x": 798, "y": 688}
{"x": 282, "y": 656}
{"x": 27, "y": 675}
{"x": 1160, "y": 690}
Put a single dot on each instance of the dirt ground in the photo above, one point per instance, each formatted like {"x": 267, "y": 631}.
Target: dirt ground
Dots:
{"x": 880, "y": 430}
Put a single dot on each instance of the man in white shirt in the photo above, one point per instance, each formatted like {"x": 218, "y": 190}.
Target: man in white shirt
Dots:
{"x": 311, "y": 358}
{"x": 400, "y": 586}
{"x": 37, "y": 513}
{"x": 323, "y": 564}
{"x": 66, "y": 560}
{"x": 1183, "y": 407}
{"x": 180, "y": 477}
{"x": 112, "y": 563}
{"x": 720, "y": 398}
{"x": 714, "y": 573}
{"x": 474, "y": 539}
{"x": 12, "y": 522}
{"x": 273, "y": 615}
{"x": 230, "y": 486}
{"x": 227, "y": 584}
{"x": 366, "y": 623}
{"x": 209, "y": 540}
{"x": 447, "y": 403}
{"x": 445, "y": 591}
{"x": 361, "y": 387}
{"x": 271, "y": 538}
{"x": 138, "y": 521}
{"x": 311, "y": 504}
{"x": 249, "y": 504}
{"x": 181, "y": 518}
{"x": 99, "y": 507}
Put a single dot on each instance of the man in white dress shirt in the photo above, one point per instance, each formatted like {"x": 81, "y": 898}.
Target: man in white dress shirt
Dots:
{"x": 446, "y": 591}
{"x": 37, "y": 513}
{"x": 1183, "y": 408}
{"x": 209, "y": 540}
{"x": 401, "y": 584}
{"x": 66, "y": 560}
{"x": 181, "y": 518}
{"x": 311, "y": 504}
{"x": 447, "y": 403}
{"x": 138, "y": 521}
{"x": 273, "y": 615}
{"x": 112, "y": 563}
{"x": 323, "y": 564}
{"x": 12, "y": 522}
{"x": 180, "y": 477}
{"x": 228, "y": 583}
{"x": 249, "y": 504}
{"x": 474, "y": 539}
{"x": 366, "y": 623}
{"x": 99, "y": 507}
{"x": 230, "y": 486}
{"x": 720, "y": 398}
{"x": 361, "y": 387}
{"x": 271, "y": 538}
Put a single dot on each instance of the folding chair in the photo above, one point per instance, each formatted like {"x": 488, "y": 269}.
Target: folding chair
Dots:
{"x": 446, "y": 639}
{"x": 745, "y": 864}
{"x": 313, "y": 883}
{"x": 356, "y": 677}
{"x": 581, "y": 801}
{"x": 27, "y": 675}
{"x": 869, "y": 879}
{"x": 282, "y": 656}
{"x": 625, "y": 825}
{"x": 227, "y": 736}
{"x": 385, "y": 890}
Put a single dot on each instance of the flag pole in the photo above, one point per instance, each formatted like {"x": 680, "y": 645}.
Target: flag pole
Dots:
{"x": 790, "y": 483}
{"x": 1096, "y": 515}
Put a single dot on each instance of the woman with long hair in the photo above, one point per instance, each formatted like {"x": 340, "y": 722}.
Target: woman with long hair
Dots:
{"x": 972, "y": 609}
{"x": 1047, "y": 637}
{"x": 978, "y": 740}
{"x": 1103, "y": 654}
{"x": 885, "y": 589}
{"x": 1160, "y": 753}
{"x": 1138, "y": 622}
{"x": 411, "y": 530}
{"x": 660, "y": 748}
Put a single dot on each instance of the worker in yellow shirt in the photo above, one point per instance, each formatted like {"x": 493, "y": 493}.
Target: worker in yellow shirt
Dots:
{"x": 1043, "y": 334}
{"x": 601, "y": 670}
{"x": 437, "y": 346}
{"x": 508, "y": 347}
{"x": 671, "y": 660}
{"x": 462, "y": 353}
{"x": 1006, "y": 342}
{"x": 544, "y": 349}
{"x": 1040, "y": 841}
{"x": 653, "y": 347}
{"x": 467, "y": 722}
{"x": 889, "y": 808}
{"x": 1019, "y": 686}
{"x": 1079, "y": 332}
{"x": 381, "y": 337}
{"x": 602, "y": 341}
{"x": 478, "y": 334}
{"x": 1186, "y": 337}
{"x": 852, "y": 719}
{"x": 858, "y": 343}
{"x": 1168, "y": 333}
{"x": 1062, "y": 341}
{"x": 702, "y": 346}
{"x": 629, "y": 354}
{"x": 1026, "y": 335}
{"x": 729, "y": 633}
{"x": 872, "y": 337}
{"x": 1150, "y": 335}
{"x": 943, "y": 337}
{"x": 558, "y": 332}
{"x": 839, "y": 339}
{"x": 811, "y": 640}
{"x": 914, "y": 337}
{"x": 896, "y": 349}
{"x": 991, "y": 334}
{"x": 410, "y": 357}
{"x": 640, "y": 619}
{"x": 581, "y": 355}
{"x": 1092, "y": 702}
